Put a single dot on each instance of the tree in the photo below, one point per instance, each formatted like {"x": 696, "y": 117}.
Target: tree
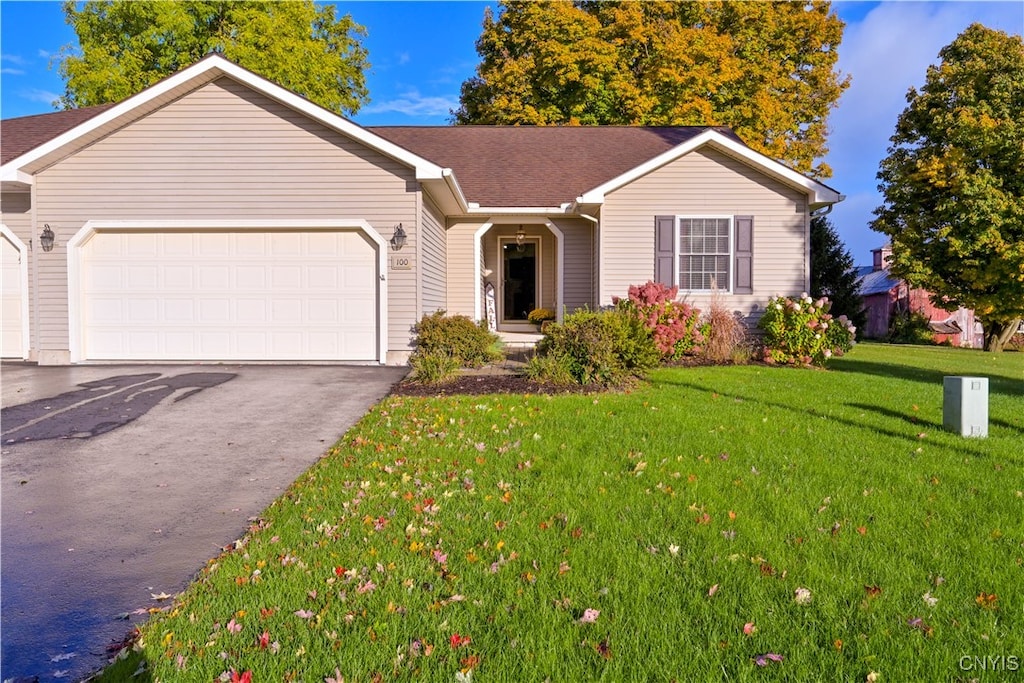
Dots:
{"x": 765, "y": 69}
{"x": 953, "y": 182}
{"x": 126, "y": 46}
{"x": 833, "y": 274}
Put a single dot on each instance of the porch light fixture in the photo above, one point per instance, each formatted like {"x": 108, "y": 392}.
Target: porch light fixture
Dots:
{"x": 520, "y": 236}
{"x": 398, "y": 239}
{"x": 46, "y": 238}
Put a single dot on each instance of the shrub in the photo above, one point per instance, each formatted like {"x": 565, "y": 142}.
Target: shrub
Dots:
{"x": 802, "y": 331}
{"x": 540, "y": 315}
{"x": 910, "y": 327}
{"x": 604, "y": 348}
{"x": 724, "y": 333}
{"x": 433, "y": 367}
{"x": 673, "y": 324}
{"x": 554, "y": 370}
{"x": 468, "y": 343}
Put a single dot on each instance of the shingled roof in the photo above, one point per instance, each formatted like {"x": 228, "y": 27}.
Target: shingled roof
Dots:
{"x": 536, "y": 166}
{"x": 499, "y": 166}
{"x": 24, "y": 133}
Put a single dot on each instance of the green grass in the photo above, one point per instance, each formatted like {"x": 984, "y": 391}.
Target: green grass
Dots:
{"x": 757, "y": 480}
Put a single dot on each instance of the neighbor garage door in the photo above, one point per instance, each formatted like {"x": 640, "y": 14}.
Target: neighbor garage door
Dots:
{"x": 11, "y": 293}
{"x": 229, "y": 295}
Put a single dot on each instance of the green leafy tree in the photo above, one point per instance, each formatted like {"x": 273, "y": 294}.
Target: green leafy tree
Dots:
{"x": 833, "y": 274}
{"x": 954, "y": 182}
{"x": 765, "y": 69}
{"x": 126, "y": 46}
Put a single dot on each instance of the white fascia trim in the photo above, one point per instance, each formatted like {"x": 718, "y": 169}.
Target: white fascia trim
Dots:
{"x": 23, "y": 276}
{"x": 11, "y": 174}
{"x": 477, "y": 275}
{"x": 456, "y": 189}
{"x": 213, "y": 67}
{"x": 818, "y": 193}
{"x": 532, "y": 211}
{"x": 86, "y": 232}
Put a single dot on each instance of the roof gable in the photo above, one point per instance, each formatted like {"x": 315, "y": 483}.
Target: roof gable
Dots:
{"x": 75, "y": 129}
{"x": 537, "y": 166}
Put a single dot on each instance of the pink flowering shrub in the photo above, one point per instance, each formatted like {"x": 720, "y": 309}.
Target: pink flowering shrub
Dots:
{"x": 673, "y": 324}
{"x": 801, "y": 331}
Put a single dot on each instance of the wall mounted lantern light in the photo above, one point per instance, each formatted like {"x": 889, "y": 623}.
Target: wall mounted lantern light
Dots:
{"x": 520, "y": 236}
{"x": 398, "y": 239}
{"x": 46, "y": 238}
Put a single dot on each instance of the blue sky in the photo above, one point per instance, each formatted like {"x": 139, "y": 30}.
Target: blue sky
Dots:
{"x": 422, "y": 51}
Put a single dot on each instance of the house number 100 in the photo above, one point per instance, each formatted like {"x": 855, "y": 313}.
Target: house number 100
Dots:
{"x": 401, "y": 263}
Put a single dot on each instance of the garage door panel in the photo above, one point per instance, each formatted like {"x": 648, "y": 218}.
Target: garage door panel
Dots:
{"x": 178, "y": 277}
{"x": 229, "y": 296}
{"x": 142, "y": 310}
{"x": 11, "y": 294}
{"x": 179, "y": 311}
{"x": 214, "y": 277}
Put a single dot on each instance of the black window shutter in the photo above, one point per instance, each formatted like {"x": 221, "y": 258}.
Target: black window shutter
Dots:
{"x": 744, "y": 278}
{"x": 664, "y": 249}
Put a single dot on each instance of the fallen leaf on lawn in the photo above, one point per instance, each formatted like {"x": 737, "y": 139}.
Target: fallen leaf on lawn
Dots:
{"x": 590, "y": 616}
{"x": 160, "y": 596}
{"x": 987, "y": 600}
{"x": 712, "y": 590}
{"x": 762, "y": 660}
{"x": 304, "y": 614}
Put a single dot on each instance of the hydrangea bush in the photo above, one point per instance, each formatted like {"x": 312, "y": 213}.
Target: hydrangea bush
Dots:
{"x": 673, "y": 324}
{"x": 802, "y": 331}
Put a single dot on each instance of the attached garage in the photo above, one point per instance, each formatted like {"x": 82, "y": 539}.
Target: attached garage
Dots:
{"x": 13, "y": 296}
{"x": 272, "y": 291}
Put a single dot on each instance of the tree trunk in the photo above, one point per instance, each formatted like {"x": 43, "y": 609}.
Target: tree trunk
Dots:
{"x": 998, "y": 335}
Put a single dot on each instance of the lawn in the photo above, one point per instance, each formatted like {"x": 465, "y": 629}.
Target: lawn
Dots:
{"x": 719, "y": 523}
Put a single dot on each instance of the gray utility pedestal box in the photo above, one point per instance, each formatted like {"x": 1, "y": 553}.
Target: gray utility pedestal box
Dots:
{"x": 965, "y": 405}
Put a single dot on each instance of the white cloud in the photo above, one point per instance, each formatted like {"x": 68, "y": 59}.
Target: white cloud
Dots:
{"x": 45, "y": 54}
{"x": 39, "y": 95}
{"x": 403, "y": 58}
{"x": 412, "y": 103}
{"x": 13, "y": 59}
{"x": 12, "y": 72}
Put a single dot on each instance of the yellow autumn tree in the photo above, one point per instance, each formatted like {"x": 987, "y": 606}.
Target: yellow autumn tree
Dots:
{"x": 765, "y": 69}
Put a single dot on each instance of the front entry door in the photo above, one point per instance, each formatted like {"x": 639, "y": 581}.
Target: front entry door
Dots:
{"x": 519, "y": 280}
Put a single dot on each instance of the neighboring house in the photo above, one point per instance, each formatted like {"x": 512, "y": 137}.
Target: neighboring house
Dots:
{"x": 885, "y": 297}
{"x": 216, "y": 216}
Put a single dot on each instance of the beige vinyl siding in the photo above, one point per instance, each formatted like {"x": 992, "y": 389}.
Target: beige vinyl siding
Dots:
{"x": 578, "y": 253}
{"x": 433, "y": 258}
{"x": 460, "y": 277}
{"x": 702, "y": 183}
{"x": 225, "y": 152}
{"x": 16, "y": 214}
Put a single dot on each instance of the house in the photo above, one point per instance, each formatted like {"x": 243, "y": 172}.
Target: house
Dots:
{"x": 216, "y": 216}
{"x": 885, "y": 297}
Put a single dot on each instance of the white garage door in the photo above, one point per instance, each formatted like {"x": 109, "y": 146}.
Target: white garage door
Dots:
{"x": 252, "y": 295}
{"x": 11, "y": 323}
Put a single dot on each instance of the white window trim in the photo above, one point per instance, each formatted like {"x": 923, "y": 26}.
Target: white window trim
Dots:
{"x": 732, "y": 252}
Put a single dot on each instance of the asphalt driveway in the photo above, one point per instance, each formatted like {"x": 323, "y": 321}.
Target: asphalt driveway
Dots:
{"x": 118, "y": 483}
